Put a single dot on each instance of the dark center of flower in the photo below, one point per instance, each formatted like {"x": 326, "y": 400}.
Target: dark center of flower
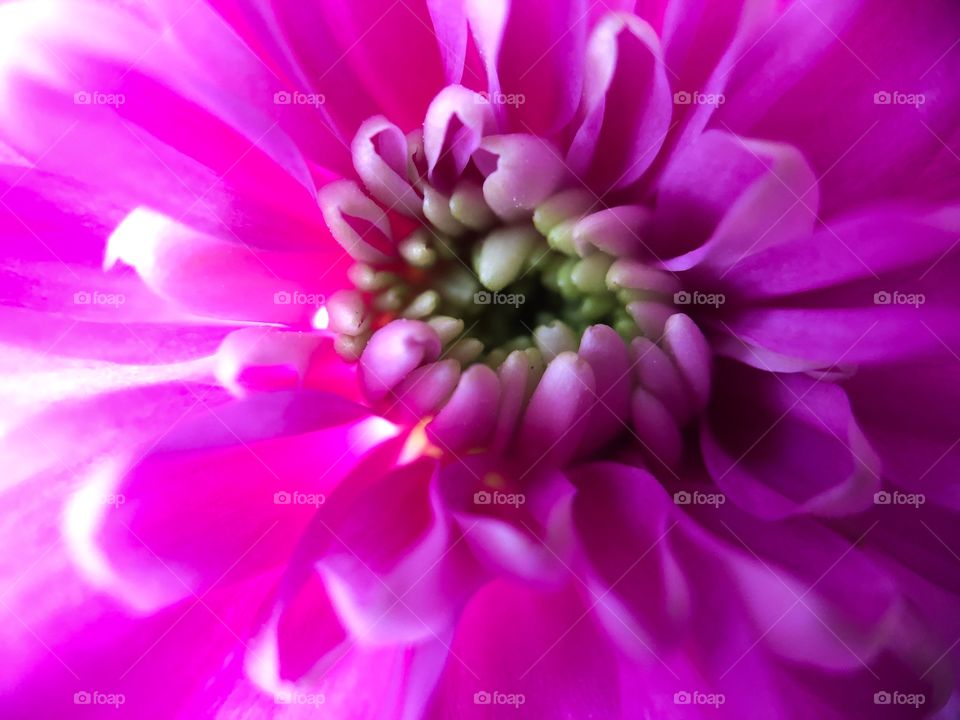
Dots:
{"x": 489, "y": 288}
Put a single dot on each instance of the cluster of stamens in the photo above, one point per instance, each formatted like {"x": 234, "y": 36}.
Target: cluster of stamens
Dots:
{"x": 489, "y": 288}
{"x": 507, "y": 279}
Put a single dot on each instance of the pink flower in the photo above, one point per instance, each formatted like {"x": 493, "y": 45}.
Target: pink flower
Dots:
{"x": 457, "y": 359}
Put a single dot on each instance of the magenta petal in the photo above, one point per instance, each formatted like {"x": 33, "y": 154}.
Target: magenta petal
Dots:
{"x": 550, "y": 430}
{"x": 467, "y": 419}
{"x": 177, "y": 530}
{"x": 518, "y": 526}
{"x": 393, "y": 576}
{"x": 252, "y": 284}
{"x": 656, "y": 372}
{"x": 656, "y": 428}
{"x": 813, "y": 81}
{"x": 875, "y": 287}
{"x": 617, "y": 231}
{"x": 518, "y": 640}
{"x": 172, "y": 139}
{"x": 265, "y": 359}
{"x": 704, "y": 41}
{"x": 528, "y": 170}
{"x": 909, "y": 414}
{"x": 513, "y": 374}
{"x": 684, "y": 342}
{"x": 383, "y": 161}
{"x": 851, "y": 609}
{"x": 609, "y": 359}
{"x": 625, "y": 517}
{"x": 626, "y": 104}
{"x": 360, "y": 225}
{"x": 350, "y": 54}
{"x": 795, "y": 449}
{"x": 393, "y": 352}
{"x": 534, "y": 56}
{"x": 456, "y": 122}
{"x": 872, "y": 243}
{"x": 303, "y": 651}
{"x": 423, "y": 391}
{"x": 450, "y": 22}
{"x": 747, "y": 195}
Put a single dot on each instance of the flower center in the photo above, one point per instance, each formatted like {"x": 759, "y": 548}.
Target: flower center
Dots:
{"x": 504, "y": 304}
{"x": 489, "y": 288}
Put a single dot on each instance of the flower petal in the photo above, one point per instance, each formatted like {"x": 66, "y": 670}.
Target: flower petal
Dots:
{"x": 534, "y": 56}
{"x": 796, "y": 447}
{"x": 178, "y": 263}
{"x": 626, "y": 101}
{"x": 223, "y": 495}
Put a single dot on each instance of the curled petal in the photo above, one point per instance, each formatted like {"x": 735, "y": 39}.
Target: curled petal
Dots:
{"x": 358, "y": 224}
{"x": 393, "y": 352}
{"x": 616, "y": 231}
{"x": 526, "y": 170}
{"x": 456, "y": 122}
{"x": 468, "y": 417}
{"x": 381, "y": 156}
{"x": 550, "y": 430}
{"x": 423, "y": 391}
{"x": 265, "y": 359}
